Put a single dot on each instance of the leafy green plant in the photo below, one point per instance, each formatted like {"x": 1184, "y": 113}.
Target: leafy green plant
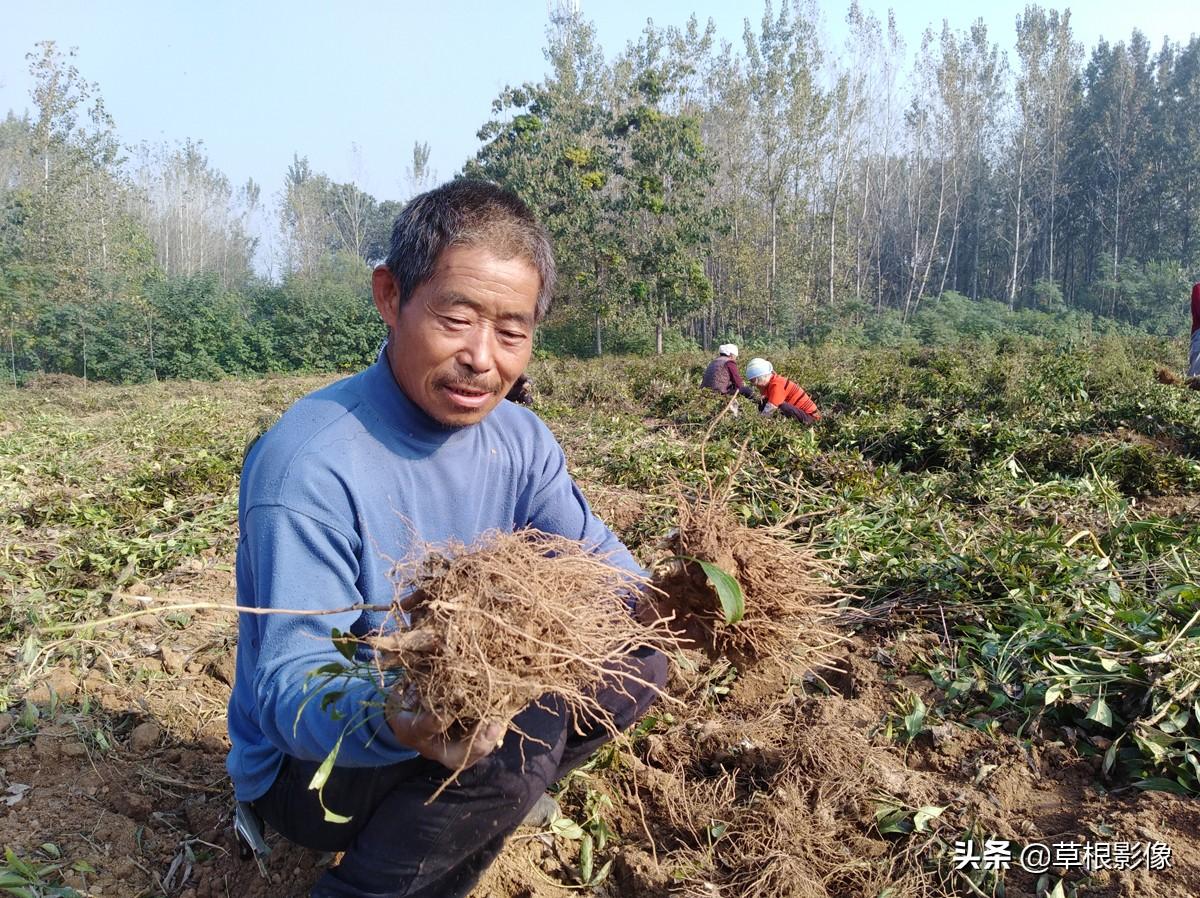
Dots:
{"x": 908, "y": 722}
{"x": 593, "y": 835}
{"x": 895, "y": 818}
{"x": 729, "y": 591}
{"x": 39, "y": 877}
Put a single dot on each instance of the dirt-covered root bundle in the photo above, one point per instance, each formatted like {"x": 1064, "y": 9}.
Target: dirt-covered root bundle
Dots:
{"x": 808, "y": 832}
{"x": 1169, "y": 378}
{"x": 783, "y": 808}
{"x": 786, "y": 589}
{"x": 497, "y": 625}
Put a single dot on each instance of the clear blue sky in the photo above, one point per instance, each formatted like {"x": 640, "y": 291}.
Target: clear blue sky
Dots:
{"x": 257, "y": 81}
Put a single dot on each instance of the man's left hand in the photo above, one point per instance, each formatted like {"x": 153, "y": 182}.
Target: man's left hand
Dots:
{"x": 428, "y": 735}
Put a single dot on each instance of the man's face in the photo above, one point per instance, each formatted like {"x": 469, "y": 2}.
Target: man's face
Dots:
{"x": 464, "y": 336}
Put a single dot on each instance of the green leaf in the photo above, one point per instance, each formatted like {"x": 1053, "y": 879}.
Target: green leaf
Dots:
{"x": 19, "y": 865}
{"x": 924, "y": 815}
{"x": 1161, "y": 784}
{"x": 1054, "y": 693}
{"x": 321, "y": 777}
{"x": 890, "y": 818}
{"x": 729, "y": 591}
{"x": 914, "y": 720}
{"x": 330, "y": 697}
{"x": 1110, "y": 756}
{"x": 29, "y": 716}
{"x": 333, "y": 817}
{"x": 345, "y": 643}
{"x": 567, "y": 828}
{"x": 1100, "y": 712}
{"x": 333, "y": 668}
{"x": 602, "y": 873}
{"x": 585, "y": 859}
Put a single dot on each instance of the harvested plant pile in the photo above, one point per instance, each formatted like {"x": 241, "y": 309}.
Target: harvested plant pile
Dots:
{"x": 499, "y": 624}
{"x": 786, "y": 589}
{"x": 767, "y": 793}
{"x": 809, "y": 829}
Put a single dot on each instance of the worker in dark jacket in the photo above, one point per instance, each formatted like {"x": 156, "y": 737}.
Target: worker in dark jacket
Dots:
{"x": 780, "y": 394}
{"x": 521, "y": 392}
{"x": 722, "y": 375}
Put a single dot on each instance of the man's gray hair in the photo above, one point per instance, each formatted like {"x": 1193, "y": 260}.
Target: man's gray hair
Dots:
{"x": 468, "y": 212}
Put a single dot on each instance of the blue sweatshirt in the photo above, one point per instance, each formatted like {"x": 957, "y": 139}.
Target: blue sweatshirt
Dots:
{"x": 347, "y": 481}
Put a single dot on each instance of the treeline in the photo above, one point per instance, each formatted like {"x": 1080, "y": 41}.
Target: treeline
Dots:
{"x": 130, "y": 264}
{"x": 803, "y": 178}
{"x": 768, "y": 191}
{"x": 192, "y": 327}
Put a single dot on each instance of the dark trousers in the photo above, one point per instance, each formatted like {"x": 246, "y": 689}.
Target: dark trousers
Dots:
{"x": 396, "y": 846}
{"x": 790, "y": 411}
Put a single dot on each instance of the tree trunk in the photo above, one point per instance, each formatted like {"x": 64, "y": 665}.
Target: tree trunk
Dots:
{"x": 833, "y": 233}
{"x": 916, "y": 229}
{"x": 859, "y": 274}
{"x": 958, "y": 189}
{"x": 937, "y": 230}
{"x": 771, "y": 279}
{"x": 1012, "y": 286}
{"x": 153, "y": 363}
{"x": 1053, "y": 192}
{"x": 12, "y": 346}
{"x": 83, "y": 331}
{"x": 1116, "y": 241}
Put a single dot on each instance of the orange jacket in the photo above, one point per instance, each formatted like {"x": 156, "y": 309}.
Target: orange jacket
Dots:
{"x": 780, "y": 390}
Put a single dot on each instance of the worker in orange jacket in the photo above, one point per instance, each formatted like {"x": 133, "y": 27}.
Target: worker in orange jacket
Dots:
{"x": 780, "y": 394}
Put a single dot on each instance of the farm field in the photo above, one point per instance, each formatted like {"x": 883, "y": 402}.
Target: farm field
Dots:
{"x": 1013, "y": 527}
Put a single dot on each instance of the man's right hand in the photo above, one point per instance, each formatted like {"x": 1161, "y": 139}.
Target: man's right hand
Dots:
{"x": 426, "y": 734}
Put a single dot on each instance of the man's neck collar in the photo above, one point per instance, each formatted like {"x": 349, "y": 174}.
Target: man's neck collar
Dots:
{"x": 400, "y": 410}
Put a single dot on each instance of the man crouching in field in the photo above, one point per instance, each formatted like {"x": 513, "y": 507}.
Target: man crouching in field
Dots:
{"x": 419, "y": 448}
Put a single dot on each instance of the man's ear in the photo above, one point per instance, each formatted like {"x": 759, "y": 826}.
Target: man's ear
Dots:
{"x": 386, "y": 293}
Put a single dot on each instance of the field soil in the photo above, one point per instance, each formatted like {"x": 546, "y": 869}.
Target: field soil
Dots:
{"x": 149, "y": 815}
{"x": 1016, "y": 521}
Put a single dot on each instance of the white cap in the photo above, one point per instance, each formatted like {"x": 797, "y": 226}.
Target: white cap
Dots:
{"x": 757, "y": 368}
{"x": 729, "y": 349}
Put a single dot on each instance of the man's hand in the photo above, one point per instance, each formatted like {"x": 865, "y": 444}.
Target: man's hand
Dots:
{"x": 426, "y": 734}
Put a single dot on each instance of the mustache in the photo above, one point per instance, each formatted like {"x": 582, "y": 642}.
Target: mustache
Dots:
{"x": 461, "y": 382}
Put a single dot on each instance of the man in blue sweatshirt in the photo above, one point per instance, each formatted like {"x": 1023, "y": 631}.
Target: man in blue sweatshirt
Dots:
{"x": 421, "y": 448}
